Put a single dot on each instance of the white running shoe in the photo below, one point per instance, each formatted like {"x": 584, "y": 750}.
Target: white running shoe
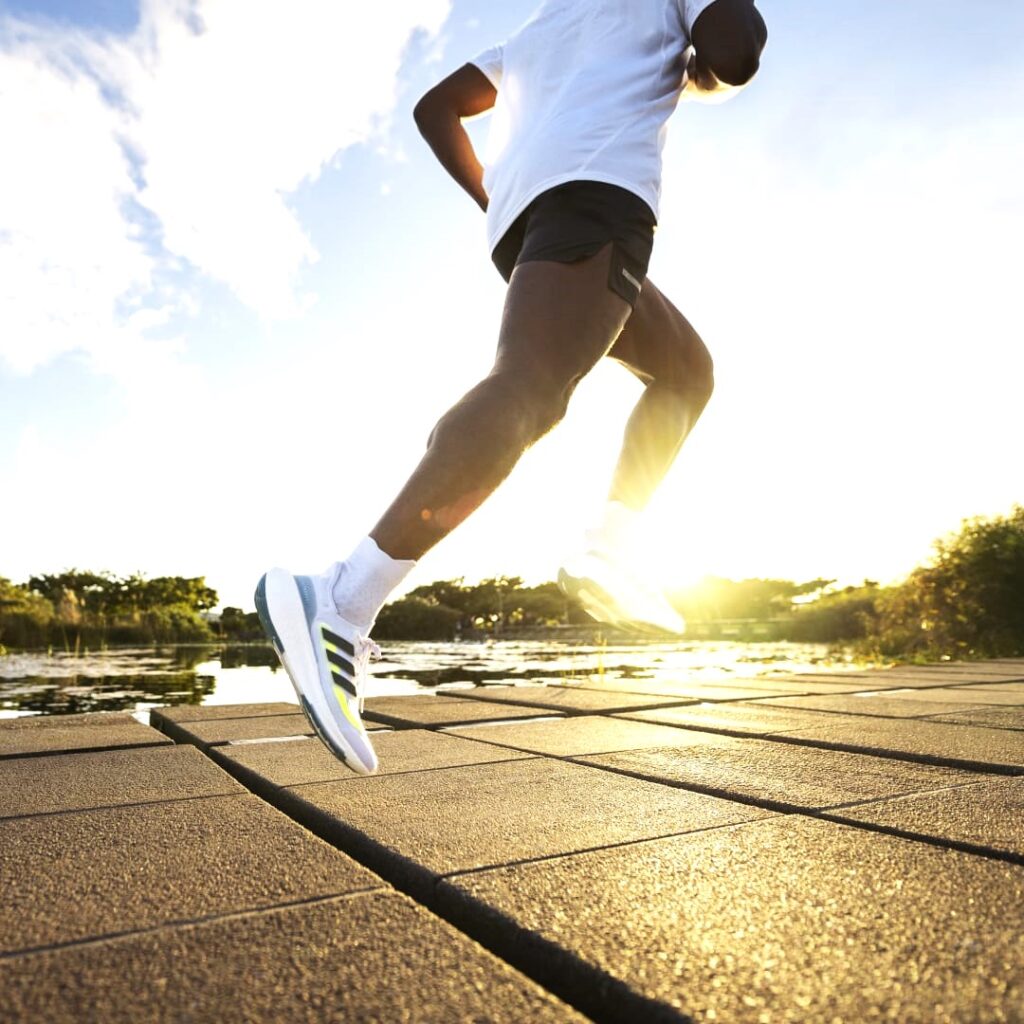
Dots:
{"x": 325, "y": 657}
{"x": 609, "y": 592}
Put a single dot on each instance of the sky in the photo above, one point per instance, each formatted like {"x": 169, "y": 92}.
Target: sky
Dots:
{"x": 236, "y": 292}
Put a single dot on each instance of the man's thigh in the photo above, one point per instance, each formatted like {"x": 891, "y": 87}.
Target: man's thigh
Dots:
{"x": 560, "y": 318}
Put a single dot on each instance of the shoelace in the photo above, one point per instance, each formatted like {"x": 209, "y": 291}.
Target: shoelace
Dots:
{"x": 368, "y": 651}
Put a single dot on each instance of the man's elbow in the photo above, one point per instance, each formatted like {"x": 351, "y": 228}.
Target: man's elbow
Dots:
{"x": 736, "y": 68}
{"x": 425, "y": 110}
{"x": 730, "y": 37}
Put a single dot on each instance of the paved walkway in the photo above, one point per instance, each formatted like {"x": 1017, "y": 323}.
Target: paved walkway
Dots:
{"x": 807, "y": 848}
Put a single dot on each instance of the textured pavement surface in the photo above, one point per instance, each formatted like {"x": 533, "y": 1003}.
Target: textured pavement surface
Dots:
{"x": 885, "y": 705}
{"x": 209, "y": 712}
{"x": 233, "y": 730}
{"x": 24, "y": 736}
{"x": 405, "y": 750}
{"x": 590, "y": 735}
{"x": 762, "y": 850}
{"x": 370, "y": 957}
{"x": 937, "y": 742}
{"x": 108, "y": 778}
{"x": 126, "y": 868}
{"x": 415, "y": 828}
{"x": 781, "y": 775}
{"x": 750, "y": 718}
{"x": 788, "y": 919}
{"x": 993, "y": 718}
{"x": 987, "y": 815}
{"x": 572, "y": 700}
{"x": 413, "y": 712}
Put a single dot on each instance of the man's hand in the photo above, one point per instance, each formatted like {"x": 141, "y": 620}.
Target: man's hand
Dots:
{"x": 439, "y": 115}
{"x": 700, "y": 78}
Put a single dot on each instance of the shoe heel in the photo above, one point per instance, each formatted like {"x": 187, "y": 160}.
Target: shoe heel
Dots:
{"x": 263, "y": 612}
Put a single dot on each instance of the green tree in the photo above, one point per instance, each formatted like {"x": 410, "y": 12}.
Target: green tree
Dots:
{"x": 843, "y": 616}
{"x": 416, "y": 618}
{"x": 968, "y": 600}
{"x": 715, "y": 598}
{"x": 25, "y": 617}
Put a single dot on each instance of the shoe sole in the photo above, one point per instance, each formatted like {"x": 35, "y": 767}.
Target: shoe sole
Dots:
{"x": 283, "y": 617}
{"x": 601, "y": 606}
{"x": 591, "y": 597}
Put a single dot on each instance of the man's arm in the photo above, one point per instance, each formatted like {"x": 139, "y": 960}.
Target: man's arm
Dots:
{"x": 439, "y": 117}
{"x": 728, "y": 37}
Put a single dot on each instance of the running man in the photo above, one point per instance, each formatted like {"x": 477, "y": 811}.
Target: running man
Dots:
{"x": 582, "y": 93}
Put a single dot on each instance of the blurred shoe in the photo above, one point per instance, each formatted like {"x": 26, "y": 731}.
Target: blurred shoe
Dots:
{"x": 325, "y": 657}
{"x": 610, "y": 592}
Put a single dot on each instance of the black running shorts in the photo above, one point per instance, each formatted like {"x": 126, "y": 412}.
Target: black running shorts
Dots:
{"x": 573, "y": 221}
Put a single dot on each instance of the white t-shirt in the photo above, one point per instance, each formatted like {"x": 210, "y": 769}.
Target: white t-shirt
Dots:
{"x": 585, "y": 89}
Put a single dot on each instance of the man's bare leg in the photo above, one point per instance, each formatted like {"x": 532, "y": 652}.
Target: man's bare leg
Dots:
{"x": 661, "y": 348}
{"x": 666, "y": 353}
{"x": 559, "y": 320}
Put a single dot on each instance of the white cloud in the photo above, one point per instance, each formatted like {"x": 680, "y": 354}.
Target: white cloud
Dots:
{"x": 125, "y": 156}
{"x": 66, "y": 250}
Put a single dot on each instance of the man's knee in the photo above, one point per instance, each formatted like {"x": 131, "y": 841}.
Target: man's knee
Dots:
{"x": 702, "y": 370}
{"x": 533, "y": 402}
{"x": 690, "y": 371}
{"x": 544, "y": 403}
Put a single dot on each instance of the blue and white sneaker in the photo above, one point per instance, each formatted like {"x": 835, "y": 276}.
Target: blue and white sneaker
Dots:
{"x": 325, "y": 657}
{"x": 610, "y": 592}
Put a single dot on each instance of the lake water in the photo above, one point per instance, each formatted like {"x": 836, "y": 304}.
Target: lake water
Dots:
{"x": 135, "y": 680}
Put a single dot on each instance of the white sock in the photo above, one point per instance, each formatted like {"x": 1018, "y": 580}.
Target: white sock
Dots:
{"x": 616, "y": 530}
{"x": 364, "y": 581}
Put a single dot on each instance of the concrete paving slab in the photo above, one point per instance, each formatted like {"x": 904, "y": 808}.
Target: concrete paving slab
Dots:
{"x": 992, "y": 666}
{"x": 962, "y": 673}
{"x": 569, "y": 737}
{"x": 992, "y": 717}
{"x": 88, "y": 874}
{"x": 961, "y": 694}
{"x": 790, "y": 919}
{"x": 938, "y": 677}
{"x": 869, "y": 680}
{"x": 686, "y": 690}
{"x": 780, "y": 776}
{"x": 883, "y": 705}
{"x": 21, "y": 737}
{"x": 204, "y": 734}
{"x": 371, "y": 957}
{"x": 413, "y": 712}
{"x": 269, "y": 765}
{"x": 414, "y": 828}
{"x": 862, "y": 679}
{"x": 781, "y": 681}
{"x": 108, "y": 778}
{"x": 986, "y": 816}
{"x": 749, "y": 719}
{"x": 208, "y": 712}
{"x": 1017, "y": 689}
{"x": 792, "y": 684}
{"x": 571, "y": 700}
{"x": 962, "y": 746}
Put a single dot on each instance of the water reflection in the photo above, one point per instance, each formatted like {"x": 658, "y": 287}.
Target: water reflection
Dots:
{"x": 42, "y": 695}
{"x": 135, "y": 679}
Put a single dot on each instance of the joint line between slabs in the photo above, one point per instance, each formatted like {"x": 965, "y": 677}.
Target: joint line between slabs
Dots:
{"x": 85, "y": 750}
{"x": 231, "y": 915}
{"x": 823, "y": 814}
{"x": 113, "y": 807}
{"x": 959, "y": 845}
